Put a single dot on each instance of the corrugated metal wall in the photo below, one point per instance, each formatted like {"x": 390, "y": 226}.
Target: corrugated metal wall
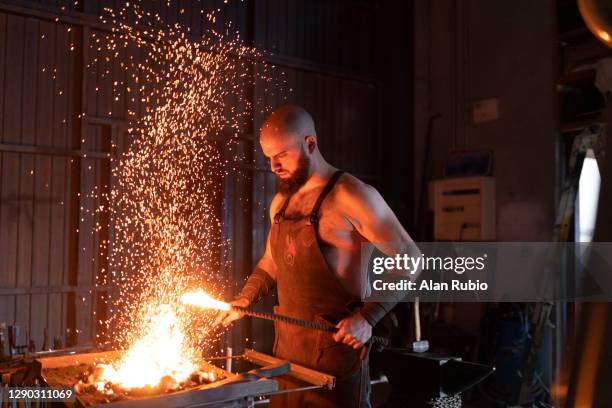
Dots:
{"x": 40, "y": 175}
{"x": 50, "y": 160}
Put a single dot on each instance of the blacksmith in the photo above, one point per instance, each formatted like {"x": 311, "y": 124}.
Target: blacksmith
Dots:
{"x": 320, "y": 216}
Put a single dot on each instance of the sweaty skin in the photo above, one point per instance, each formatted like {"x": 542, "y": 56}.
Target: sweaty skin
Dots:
{"x": 353, "y": 213}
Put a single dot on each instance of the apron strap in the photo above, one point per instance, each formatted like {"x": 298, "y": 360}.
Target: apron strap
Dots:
{"x": 314, "y": 214}
{"x": 281, "y": 213}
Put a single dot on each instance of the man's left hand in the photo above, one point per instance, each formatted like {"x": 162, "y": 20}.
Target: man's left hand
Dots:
{"x": 354, "y": 331}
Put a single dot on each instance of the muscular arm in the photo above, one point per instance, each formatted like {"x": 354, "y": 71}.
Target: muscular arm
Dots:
{"x": 263, "y": 276}
{"x": 370, "y": 215}
{"x": 266, "y": 262}
{"x": 368, "y": 212}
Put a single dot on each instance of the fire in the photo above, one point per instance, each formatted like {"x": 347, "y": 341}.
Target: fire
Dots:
{"x": 160, "y": 352}
{"x": 203, "y": 300}
{"x": 162, "y": 355}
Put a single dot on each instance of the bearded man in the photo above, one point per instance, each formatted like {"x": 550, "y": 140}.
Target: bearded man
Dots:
{"x": 320, "y": 216}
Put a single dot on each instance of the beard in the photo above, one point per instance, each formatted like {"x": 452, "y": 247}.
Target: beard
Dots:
{"x": 297, "y": 179}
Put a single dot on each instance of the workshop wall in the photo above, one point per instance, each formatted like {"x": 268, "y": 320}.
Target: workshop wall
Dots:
{"x": 40, "y": 177}
{"x": 470, "y": 50}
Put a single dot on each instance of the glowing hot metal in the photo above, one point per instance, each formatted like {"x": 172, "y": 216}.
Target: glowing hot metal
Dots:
{"x": 204, "y": 300}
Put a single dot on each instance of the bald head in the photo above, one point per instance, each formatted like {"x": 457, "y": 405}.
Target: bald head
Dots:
{"x": 289, "y": 121}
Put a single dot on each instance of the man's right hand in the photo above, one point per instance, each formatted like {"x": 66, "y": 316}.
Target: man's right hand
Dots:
{"x": 226, "y": 317}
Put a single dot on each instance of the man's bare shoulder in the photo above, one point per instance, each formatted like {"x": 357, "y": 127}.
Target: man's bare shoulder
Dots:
{"x": 351, "y": 190}
{"x": 359, "y": 202}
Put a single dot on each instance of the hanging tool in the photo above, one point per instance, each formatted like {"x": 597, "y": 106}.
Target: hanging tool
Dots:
{"x": 418, "y": 346}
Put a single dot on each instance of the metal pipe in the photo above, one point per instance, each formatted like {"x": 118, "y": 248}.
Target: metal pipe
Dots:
{"x": 382, "y": 341}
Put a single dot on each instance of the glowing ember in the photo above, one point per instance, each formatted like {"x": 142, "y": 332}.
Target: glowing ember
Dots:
{"x": 203, "y": 300}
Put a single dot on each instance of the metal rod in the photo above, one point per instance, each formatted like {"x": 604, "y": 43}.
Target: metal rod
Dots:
{"x": 286, "y": 319}
{"x": 300, "y": 322}
{"x": 233, "y": 357}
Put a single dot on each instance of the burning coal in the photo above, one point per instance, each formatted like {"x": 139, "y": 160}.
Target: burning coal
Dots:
{"x": 161, "y": 361}
{"x": 162, "y": 352}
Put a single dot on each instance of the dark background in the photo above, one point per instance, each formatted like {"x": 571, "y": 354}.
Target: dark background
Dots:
{"x": 391, "y": 85}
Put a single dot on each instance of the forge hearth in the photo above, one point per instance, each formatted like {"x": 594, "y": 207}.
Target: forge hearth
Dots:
{"x": 213, "y": 387}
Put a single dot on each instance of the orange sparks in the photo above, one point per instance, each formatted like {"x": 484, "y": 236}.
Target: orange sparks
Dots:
{"x": 187, "y": 100}
{"x": 166, "y": 200}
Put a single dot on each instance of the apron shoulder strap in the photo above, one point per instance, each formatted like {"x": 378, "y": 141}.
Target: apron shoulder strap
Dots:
{"x": 314, "y": 214}
{"x": 281, "y": 213}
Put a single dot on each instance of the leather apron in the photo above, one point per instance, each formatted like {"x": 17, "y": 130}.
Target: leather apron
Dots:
{"x": 309, "y": 289}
